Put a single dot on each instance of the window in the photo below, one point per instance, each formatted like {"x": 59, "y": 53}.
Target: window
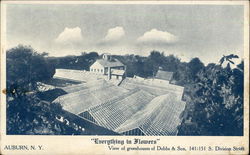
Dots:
{"x": 101, "y": 70}
{"x": 97, "y": 70}
{"x": 94, "y": 70}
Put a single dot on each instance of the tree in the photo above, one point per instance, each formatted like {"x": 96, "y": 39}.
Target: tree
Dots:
{"x": 152, "y": 63}
{"x": 195, "y": 66}
{"x": 183, "y": 75}
{"x": 170, "y": 63}
{"x": 29, "y": 115}
{"x": 217, "y": 96}
{"x": 228, "y": 59}
{"x": 26, "y": 113}
{"x": 25, "y": 67}
{"x": 156, "y": 59}
{"x": 81, "y": 62}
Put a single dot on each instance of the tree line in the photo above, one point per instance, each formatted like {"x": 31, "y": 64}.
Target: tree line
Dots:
{"x": 26, "y": 112}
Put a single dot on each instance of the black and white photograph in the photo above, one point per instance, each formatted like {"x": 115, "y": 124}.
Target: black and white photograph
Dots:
{"x": 125, "y": 69}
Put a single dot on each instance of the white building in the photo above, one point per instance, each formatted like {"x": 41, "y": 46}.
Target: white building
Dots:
{"x": 109, "y": 66}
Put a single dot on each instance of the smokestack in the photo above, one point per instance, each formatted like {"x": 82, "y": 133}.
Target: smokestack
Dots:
{"x": 109, "y": 73}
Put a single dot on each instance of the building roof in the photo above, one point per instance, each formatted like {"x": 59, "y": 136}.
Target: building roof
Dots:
{"x": 90, "y": 85}
{"x": 77, "y": 75}
{"x": 164, "y": 75}
{"x": 82, "y": 100}
{"x": 159, "y": 117}
{"x": 117, "y": 72}
{"x": 109, "y": 63}
{"x": 152, "y": 87}
{"x": 115, "y": 112}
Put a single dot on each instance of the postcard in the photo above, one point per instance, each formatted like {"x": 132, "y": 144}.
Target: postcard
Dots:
{"x": 124, "y": 77}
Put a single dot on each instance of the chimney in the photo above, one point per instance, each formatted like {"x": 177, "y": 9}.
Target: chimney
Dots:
{"x": 106, "y": 56}
{"x": 109, "y": 73}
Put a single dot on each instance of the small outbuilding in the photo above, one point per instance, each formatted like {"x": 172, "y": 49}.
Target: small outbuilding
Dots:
{"x": 163, "y": 75}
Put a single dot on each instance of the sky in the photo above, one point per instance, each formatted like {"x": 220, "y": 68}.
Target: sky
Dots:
{"x": 187, "y": 31}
